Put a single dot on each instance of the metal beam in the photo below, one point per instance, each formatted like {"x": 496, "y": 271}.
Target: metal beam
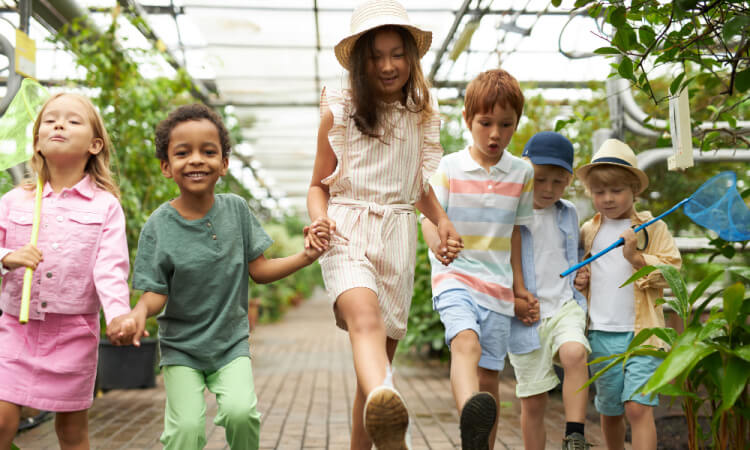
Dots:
{"x": 456, "y": 22}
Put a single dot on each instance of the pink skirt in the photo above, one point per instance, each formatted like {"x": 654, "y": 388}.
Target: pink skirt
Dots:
{"x": 49, "y": 364}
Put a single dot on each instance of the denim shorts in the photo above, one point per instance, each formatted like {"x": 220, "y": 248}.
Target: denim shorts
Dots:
{"x": 620, "y": 384}
{"x": 458, "y": 312}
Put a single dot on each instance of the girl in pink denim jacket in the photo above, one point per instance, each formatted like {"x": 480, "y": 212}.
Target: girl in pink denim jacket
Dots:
{"x": 80, "y": 262}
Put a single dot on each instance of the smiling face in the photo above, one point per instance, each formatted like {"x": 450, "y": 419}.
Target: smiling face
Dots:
{"x": 194, "y": 158}
{"x": 549, "y": 184}
{"x": 491, "y": 133}
{"x": 388, "y": 67}
{"x": 66, "y": 136}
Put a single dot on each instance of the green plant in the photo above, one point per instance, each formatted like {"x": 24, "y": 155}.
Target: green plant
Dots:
{"x": 708, "y": 364}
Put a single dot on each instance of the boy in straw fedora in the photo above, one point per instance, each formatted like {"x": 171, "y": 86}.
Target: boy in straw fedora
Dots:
{"x": 617, "y": 314}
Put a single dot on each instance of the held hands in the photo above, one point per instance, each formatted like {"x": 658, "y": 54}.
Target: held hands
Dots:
{"x": 526, "y": 307}
{"x": 582, "y": 278}
{"x": 26, "y": 256}
{"x": 450, "y": 244}
{"x": 128, "y": 329}
{"x": 318, "y": 234}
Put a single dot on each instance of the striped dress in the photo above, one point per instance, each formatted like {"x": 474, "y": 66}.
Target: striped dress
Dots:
{"x": 373, "y": 190}
{"x": 483, "y": 207}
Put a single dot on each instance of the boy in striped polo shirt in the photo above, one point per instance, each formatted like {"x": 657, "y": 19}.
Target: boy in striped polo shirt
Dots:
{"x": 487, "y": 194}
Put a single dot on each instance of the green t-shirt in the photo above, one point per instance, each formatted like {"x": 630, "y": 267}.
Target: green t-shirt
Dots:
{"x": 202, "y": 267}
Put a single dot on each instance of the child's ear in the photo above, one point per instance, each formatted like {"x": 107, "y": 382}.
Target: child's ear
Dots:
{"x": 468, "y": 123}
{"x": 224, "y": 166}
{"x": 97, "y": 144}
{"x": 166, "y": 170}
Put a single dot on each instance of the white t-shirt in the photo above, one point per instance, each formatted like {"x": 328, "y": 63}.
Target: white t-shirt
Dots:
{"x": 549, "y": 261}
{"x": 612, "y": 307}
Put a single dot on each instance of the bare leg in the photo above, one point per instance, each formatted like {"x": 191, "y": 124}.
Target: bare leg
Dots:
{"x": 532, "y": 421}
{"x": 465, "y": 354}
{"x": 613, "y": 429}
{"x": 489, "y": 381}
{"x": 642, "y": 425}
{"x": 573, "y": 359}
{"x": 73, "y": 430}
{"x": 360, "y": 439}
{"x": 10, "y": 416}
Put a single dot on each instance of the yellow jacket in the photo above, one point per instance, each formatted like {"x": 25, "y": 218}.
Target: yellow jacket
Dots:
{"x": 661, "y": 249}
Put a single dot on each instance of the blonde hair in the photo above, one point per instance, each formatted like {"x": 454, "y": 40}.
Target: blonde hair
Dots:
{"x": 608, "y": 174}
{"x": 97, "y": 166}
{"x": 367, "y": 110}
{"x": 551, "y": 168}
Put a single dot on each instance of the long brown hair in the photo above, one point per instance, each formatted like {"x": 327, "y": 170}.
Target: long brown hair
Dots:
{"x": 367, "y": 110}
{"x": 97, "y": 166}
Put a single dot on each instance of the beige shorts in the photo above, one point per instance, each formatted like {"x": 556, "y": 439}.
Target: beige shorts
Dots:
{"x": 535, "y": 371}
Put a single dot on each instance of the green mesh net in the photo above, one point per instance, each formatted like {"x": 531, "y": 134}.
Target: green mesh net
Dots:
{"x": 16, "y": 125}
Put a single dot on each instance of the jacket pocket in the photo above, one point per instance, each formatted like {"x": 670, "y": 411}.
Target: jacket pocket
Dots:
{"x": 85, "y": 227}
{"x": 20, "y": 229}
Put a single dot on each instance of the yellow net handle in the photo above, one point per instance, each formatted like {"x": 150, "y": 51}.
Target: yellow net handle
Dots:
{"x": 23, "y": 317}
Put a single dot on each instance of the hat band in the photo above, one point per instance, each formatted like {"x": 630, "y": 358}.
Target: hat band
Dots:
{"x": 612, "y": 160}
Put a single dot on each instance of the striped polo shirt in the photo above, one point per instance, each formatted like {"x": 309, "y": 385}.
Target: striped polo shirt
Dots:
{"x": 483, "y": 207}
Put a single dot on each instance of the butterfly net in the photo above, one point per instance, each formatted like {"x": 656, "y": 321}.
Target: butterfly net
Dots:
{"x": 17, "y": 124}
{"x": 718, "y": 206}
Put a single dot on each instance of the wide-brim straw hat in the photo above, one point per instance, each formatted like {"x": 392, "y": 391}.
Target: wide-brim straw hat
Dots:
{"x": 377, "y": 13}
{"x": 617, "y": 153}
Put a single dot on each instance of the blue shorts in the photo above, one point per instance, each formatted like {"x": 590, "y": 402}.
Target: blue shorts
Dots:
{"x": 459, "y": 312}
{"x": 619, "y": 385}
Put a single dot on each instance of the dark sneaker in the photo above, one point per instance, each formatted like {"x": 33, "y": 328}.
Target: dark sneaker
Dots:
{"x": 477, "y": 419}
{"x": 386, "y": 419}
{"x": 575, "y": 441}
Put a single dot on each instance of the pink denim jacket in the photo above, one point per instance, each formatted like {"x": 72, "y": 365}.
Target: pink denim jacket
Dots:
{"x": 84, "y": 249}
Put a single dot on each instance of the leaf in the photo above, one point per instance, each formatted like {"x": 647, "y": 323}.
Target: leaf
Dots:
{"x": 735, "y": 26}
{"x": 733, "y": 298}
{"x": 742, "y": 80}
{"x": 618, "y": 16}
{"x": 674, "y": 88}
{"x": 675, "y": 391}
{"x": 703, "y": 285}
{"x": 607, "y": 51}
{"x": 672, "y": 275}
{"x": 556, "y": 3}
{"x": 625, "y": 68}
{"x": 743, "y": 352}
{"x": 679, "y": 359}
{"x": 647, "y": 35}
{"x": 645, "y": 270}
{"x": 734, "y": 382}
{"x": 617, "y": 360}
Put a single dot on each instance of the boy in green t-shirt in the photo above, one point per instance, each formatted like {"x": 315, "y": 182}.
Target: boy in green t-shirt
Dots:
{"x": 194, "y": 254}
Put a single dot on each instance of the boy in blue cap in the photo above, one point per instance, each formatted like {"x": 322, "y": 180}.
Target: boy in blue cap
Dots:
{"x": 549, "y": 246}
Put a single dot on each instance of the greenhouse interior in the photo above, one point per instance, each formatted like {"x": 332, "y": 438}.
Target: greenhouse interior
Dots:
{"x": 670, "y": 80}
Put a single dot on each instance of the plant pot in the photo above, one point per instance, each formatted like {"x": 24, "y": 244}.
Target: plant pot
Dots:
{"x": 126, "y": 367}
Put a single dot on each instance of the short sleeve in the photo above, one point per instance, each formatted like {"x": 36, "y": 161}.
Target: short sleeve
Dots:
{"x": 339, "y": 105}
{"x": 432, "y": 151}
{"x": 440, "y": 184}
{"x": 150, "y": 274}
{"x": 525, "y": 210}
{"x": 257, "y": 240}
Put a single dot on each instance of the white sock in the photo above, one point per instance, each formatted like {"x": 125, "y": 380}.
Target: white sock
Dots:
{"x": 388, "y": 376}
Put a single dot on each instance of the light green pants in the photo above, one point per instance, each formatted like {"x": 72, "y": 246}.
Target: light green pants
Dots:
{"x": 185, "y": 415}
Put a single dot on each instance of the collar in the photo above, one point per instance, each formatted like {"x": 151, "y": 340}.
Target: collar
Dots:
{"x": 468, "y": 164}
{"x": 636, "y": 218}
{"x": 85, "y": 188}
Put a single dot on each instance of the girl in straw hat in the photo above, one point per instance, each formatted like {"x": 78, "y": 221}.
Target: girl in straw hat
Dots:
{"x": 378, "y": 144}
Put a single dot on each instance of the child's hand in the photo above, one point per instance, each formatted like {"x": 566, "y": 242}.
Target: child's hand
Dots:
{"x": 582, "y": 278}
{"x": 310, "y": 252}
{"x": 26, "y": 256}
{"x": 319, "y": 233}
{"x": 526, "y": 307}
{"x": 630, "y": 249}
{"x": 450, "y": 244}
{"x": 127, "y": 329}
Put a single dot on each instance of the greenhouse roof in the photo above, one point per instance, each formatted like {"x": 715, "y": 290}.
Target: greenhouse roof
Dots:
{"x": 269, "y": 60}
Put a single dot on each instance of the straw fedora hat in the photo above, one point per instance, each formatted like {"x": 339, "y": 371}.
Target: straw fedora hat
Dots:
{"x": 616, "y": 153}
{"x": 377, "y": 13}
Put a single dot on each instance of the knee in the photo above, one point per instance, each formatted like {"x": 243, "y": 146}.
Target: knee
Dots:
{"x": 466, "y": 342}
{"x": 363, "y": 324}
{"x": 637, "y": 413}
{"x": 240, "y": 413}
{"x": 189, "y": 427}
{"x": 572, "y": 355}
{"x": 534, "y": 406}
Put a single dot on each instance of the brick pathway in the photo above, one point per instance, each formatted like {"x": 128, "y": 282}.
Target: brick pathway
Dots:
{"x": 305, "y": 382}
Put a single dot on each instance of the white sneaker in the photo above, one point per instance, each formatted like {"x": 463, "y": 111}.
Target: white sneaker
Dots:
{"x": 387, "y": 419}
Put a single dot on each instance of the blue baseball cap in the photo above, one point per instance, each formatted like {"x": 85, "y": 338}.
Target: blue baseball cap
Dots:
{"x": 550, "y": 148}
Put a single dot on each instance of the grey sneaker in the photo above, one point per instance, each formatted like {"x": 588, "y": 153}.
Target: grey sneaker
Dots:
{"x": 386, "y": 419}
{"x": 477, "y": 419}
{"x": 575, "y": 441}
